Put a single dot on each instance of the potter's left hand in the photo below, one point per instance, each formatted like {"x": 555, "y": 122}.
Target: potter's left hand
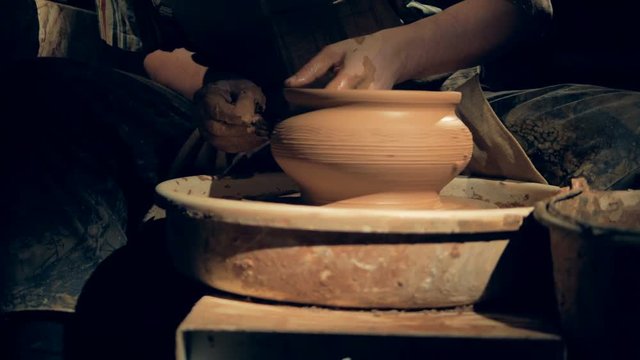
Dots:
{"x": 230, "y": 115}
{"x": 367, "y": 62}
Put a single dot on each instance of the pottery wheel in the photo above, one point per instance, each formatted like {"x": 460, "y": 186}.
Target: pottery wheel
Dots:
{"x": 440, "y": 203}
{"x": 253, "y": 237}
{"x": 389, "y": 201}
{"x": 415, "y": 203}
{"x": 273, "y": 200}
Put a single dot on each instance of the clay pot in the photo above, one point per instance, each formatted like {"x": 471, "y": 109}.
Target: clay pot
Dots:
{"x": 372, "y": 147}
{"x": 595, "y": 246}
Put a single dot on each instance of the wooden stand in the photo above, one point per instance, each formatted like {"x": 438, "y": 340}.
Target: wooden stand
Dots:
{"x": 219, "y": 328}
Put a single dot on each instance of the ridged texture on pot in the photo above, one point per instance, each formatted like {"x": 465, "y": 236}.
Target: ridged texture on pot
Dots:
{"x": 366, "y": 147}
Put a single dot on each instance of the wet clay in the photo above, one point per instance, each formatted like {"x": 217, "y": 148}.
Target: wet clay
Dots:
{"x": 373, "y": 148}
{"x": 368, "y": 77}
{"x": 414, "y": 201}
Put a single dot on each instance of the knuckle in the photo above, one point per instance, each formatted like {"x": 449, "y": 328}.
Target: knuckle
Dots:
{"x": 329, "y": 48}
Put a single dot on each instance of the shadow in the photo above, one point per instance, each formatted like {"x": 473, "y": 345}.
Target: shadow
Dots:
{"x": 33, "y": 334}
{"x": 522, "y": 281}
{"x": 522, "y": 286}
{"x": 267, "y": 346}
{"x": 132, "y": 304}
{"x": 599, "y": 314}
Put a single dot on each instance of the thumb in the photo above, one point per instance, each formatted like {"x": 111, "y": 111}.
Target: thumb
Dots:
{"x": 316, "y": 67}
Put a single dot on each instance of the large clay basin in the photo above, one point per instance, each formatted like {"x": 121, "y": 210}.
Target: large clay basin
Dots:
{"x": 255, "y": 237}
{"x": 392, "y": 148}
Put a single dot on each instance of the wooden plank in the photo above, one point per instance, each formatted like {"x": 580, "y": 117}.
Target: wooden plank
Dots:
{"x": 223, "y": 328}
{"x": 226, "y": 315}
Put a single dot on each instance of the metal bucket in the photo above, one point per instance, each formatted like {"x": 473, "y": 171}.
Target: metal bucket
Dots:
{"x": 595, "y": 248}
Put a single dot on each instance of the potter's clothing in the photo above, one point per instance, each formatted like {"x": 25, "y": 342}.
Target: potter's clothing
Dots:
{"x": 82, "y": 163}
{"x": 585, "y": 42}
{"x": 578, "y": 131}
{"x": 569, "y": 130}
{"x": 18, "y": 34}
{"x": 118, "y": 25}
{"x": 553, "y": 133}
{"x": 496, "y": 152}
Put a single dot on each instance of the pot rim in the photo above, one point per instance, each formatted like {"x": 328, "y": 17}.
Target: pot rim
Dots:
{"x": 323, "y": 98}
{"x": 548, "y": 214}
{"x": 361, "y": 220}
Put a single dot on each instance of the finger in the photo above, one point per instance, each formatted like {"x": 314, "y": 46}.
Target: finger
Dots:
{"x": 261, "y": 101}
{"x": 261, "y": 128}
{"x": 220, "y": 87}
{"x": 237, "y": 85}
{"x": 344, "y": 80}
{"x": 237, "y": 145}
{"x": 217, "y": 105}
{"x": 220, "y": 129}
{"x": 255, "y": 92}
{"x": 246, "y": 107}
{"x": 233, "y": 138}
{"x": 248, "y": 99}
{"x": 326, "y": 59}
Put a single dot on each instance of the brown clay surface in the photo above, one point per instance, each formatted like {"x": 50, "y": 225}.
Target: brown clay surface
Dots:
{"x": 413, "y": 201}
{"x": 367, "y": 258}
{"x": 218, "y": 314}
{"x": 319, "y": 98}
{"x": 339, "y": 269}
{"x": 366, "y": 144}
{"x": 272, "y": 200}
{"x": 611, "y": 209}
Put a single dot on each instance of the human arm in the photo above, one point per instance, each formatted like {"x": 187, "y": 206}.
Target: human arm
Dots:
{"x": 152, "y": 43}
{"x": 463, "y": 35}
{"x": 229, "y": 109}
{"x": 176, "y": 70}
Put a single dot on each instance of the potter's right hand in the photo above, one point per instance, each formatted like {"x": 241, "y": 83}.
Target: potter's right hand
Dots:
{"x": 230, "y": 115}
{"x": 367, "y": 62}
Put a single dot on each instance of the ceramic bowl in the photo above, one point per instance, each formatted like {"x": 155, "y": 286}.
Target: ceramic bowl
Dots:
{"x": 372, "y": 147}
{"x": 252, "y": 237}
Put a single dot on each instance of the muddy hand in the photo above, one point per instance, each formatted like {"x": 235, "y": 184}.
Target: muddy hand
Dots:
{"x": 365, "y": 62}
{"x": 230, "y": 113}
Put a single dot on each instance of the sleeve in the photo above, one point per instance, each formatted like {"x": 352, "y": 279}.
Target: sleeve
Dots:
{"x": 118, "y": 25}
{"x": 138, "y": 25}
{"x": 541, "y": 11}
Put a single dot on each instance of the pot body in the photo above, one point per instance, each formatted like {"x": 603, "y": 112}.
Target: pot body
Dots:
{"x": 373, "y": 153}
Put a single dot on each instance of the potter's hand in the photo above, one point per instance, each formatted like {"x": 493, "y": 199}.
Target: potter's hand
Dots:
{"x": 230, "y": 114}
{"x": 368, "y": 62}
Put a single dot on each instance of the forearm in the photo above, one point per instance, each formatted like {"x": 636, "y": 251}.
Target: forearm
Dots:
{"x": 463, "y": 35}
{"x": 175, "y": 70}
